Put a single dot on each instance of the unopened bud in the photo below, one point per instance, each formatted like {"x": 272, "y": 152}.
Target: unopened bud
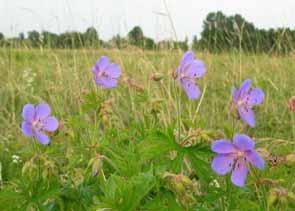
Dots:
{"x": 179, "y": 188}
{"x": 291, "y": 196}
{"x": 283, "y": 200}
{"x": 186, "y": 181}
{"x": 96, "y": 165}
{"x": 292, "y": 104}
{"x": 290, "y": 159}
{"x": 205, "y": 137}
{"x": 265, "y": 154}
{"x": 157, "y": 77}
{"x": 272, "y": 198}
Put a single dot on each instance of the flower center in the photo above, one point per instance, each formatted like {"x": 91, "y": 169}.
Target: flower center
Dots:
{"x": 102, "y": 74}
{"x": 37, "y": 124}
{"x": 241, "y": 103}
{"x": 244, "y": 101}
{"x": 183, "y": 75}
{"x": 240, "y": 154}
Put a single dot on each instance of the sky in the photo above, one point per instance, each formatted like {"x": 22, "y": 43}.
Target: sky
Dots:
{"x": 112, "y": 17}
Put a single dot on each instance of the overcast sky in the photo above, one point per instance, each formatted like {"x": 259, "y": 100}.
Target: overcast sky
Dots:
{"x": 110, "y": 17}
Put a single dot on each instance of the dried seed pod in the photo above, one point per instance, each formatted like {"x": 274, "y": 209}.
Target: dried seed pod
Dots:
{"x": 291, "y": 104}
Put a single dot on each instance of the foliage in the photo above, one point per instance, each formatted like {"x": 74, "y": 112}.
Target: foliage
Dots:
{"x": 220, "y": 33}
{"x": 223, "y": 33}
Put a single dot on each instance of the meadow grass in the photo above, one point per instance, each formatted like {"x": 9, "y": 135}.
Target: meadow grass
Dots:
{"x": 134, "y": 131}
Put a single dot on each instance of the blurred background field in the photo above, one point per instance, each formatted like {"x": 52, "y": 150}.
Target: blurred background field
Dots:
{"x": 62, "y": 77}
{"x": 134, "y": 127}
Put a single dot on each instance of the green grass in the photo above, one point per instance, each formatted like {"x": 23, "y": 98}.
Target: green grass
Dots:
{"x": 134, "y": 128}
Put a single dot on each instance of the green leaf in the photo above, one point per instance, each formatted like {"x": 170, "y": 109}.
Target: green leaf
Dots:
{"x": 126, "y": 194}
{"x": 157, "y": 144}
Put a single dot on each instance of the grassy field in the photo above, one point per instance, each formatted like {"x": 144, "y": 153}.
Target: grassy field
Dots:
{"x": 130, "y": 135}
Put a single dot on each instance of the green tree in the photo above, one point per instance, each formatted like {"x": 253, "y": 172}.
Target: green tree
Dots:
{"x": 50, "y": 40}
{"x": 34, "y": 37}
{"x": 90, "y": 37}
{"x": 195, "y": 43}
{"x": 21, "y": 36}
{"x": 149, "y": 43}
{"x": 136, "y": 37}
{"x": 2, "y": 41}
{"x": 71, "y": 40}
{"x": 1, "y": 36}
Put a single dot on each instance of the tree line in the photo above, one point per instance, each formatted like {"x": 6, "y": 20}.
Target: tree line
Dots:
{"x": 89, "y": 39}
{"x": 220, "y": 33}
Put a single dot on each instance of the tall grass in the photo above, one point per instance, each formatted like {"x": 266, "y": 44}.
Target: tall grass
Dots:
{"x": 123, "y": 130}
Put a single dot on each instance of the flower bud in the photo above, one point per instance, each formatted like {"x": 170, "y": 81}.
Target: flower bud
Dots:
{"x": 265, "y": 154}
{"x": 272, "y": 198}
{"x": 283, "y": 200}
{"x": 292, "y": 104}
{"x": 179, "y": 188}
{"x": 157, "y": 77}
{"x": 290, "y": 159}
{"x": 96, "y": 167}
{"x": 186, "y": 181}
{"x": 30, "y": 168}
{"x": 96, "y": 164}
{"x": 291, "y": 196}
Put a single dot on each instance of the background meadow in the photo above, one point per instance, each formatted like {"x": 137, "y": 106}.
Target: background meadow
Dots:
{"x": 119, "y": 149}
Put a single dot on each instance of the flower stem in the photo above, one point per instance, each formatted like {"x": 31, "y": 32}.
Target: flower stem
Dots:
{"x": 178, "y": 110}
{"x": 293, "y": 130}
{"x": 37, "y": 156}
{"x": 260, "y": 189}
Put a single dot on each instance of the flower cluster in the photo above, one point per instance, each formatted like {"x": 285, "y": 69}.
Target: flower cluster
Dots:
{"x": 16, "y": 159}
{"x": 29, "y": 77}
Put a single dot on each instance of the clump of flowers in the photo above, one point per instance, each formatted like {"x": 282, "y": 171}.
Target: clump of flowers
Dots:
{"x": 106, "y": 74}
{"x": 16, "y": 159}
{"x": 190, "y": 69}
{"x": 292, "y": 104}
{"x": 245, "y": 98}
{"x": 28, "y": 77}
{"x": 38, "y": 122}
{"x": 235, "y": 157}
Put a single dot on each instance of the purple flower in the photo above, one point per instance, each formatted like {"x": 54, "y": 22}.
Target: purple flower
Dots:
{"x": 106, "y": 74}
{"x": 37, "y": 122}
{"x": 245, "y": 98}
{"x": 235, "y": 156}
{"x": 188, "y": 70}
